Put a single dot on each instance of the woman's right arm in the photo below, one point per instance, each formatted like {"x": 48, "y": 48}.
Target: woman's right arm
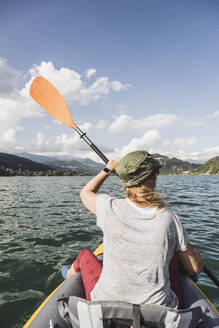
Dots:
{"x": 191, "y": 260}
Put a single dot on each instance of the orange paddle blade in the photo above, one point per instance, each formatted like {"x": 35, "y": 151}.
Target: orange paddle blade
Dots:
{"x": 49, "y": 98}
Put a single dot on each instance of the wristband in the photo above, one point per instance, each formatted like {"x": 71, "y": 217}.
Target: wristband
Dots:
{"x": 107, "y": 170}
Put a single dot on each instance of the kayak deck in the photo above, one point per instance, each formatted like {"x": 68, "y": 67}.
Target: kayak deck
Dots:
{"x": 48, "y": 313}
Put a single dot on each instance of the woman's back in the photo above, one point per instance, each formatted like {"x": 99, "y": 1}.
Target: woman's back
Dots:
{"x": 138, "y": 247}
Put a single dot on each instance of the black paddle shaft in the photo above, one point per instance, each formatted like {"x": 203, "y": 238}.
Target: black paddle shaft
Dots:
{"x": 211, "y": 276}
{"x": 83, "y": 135}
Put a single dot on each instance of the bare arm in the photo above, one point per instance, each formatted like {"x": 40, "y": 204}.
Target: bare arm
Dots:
{"x": 88, "y": 193}
{"x": 191, "y": 260}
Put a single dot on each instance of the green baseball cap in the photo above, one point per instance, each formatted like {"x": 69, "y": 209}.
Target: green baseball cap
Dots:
{"x": 135, "y": 167}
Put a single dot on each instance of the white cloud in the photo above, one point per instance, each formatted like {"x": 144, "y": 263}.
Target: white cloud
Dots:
{"x": 149, "y": 139}
{"x": 13, "y": 107}
{"x": 86, "y": 127}
{"x": 153, "y": 142}
{"x": 184, "y": 154}
{"x": 8, "y": 78}
{"x": 71, "y": 85}
{"x": 121, "y": 123}
{"x": 16, "y": 104}
{"x": 215, "y": 114}
{"x": 7, "y": 139}
{"x": 63, "y": 144}
{"x": 189, "y": 142}
{"x": 211, "y": 152}
{"x": 72, "y": 146}
{"x": 184, "y": 142}
{"x": 118, "y": 86}
{"x": 124, "y": 122}
{"x": 12, "y": 111}
{"x": 180, "y": 154}
{"x": 9, "y": 135}
{"x": 102, "y": 124}
{"x": 90, "y": 72}
{"x": 195, "y": 124}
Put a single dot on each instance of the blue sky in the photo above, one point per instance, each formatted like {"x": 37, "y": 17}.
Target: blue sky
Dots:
{"x": 135, "y": 74}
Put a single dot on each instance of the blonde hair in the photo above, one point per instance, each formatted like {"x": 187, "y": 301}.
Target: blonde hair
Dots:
{"x": 144, "y": 195}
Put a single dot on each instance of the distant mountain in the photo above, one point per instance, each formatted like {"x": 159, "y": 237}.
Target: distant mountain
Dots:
{"x": 80, "y": 165}
{"x": 87, "y": 166}
{"x": 37, "y": 158}
{"x": 12, "y": 165}
{"x": 209, "y": 167}
{"x": 16, "y": 163}
{"x": 170, "y": 165}
{"x": 175, "y": 165}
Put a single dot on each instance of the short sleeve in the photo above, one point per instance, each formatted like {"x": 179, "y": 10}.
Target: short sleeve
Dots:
{"x": 182, "y": 238}
{"x": 103, "y": 202}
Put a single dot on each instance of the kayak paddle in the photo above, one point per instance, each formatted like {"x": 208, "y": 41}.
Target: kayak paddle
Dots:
{"x": 211, "y": 275}
{"x": 49, "y": 98}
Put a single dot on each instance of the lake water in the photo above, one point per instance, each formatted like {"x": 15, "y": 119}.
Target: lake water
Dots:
{"x": 43, "y": 225}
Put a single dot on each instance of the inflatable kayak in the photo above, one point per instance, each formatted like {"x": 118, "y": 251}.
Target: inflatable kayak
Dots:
{"x": 66, "y": 307}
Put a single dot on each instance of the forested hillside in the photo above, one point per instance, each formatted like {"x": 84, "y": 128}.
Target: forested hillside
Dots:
{"x": 11, "y": 165}
{"x": 16, "y": 165}
{"x": 209, "y": 167}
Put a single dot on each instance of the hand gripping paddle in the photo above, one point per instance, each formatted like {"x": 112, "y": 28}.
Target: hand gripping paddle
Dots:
{"x": 49, "y": 98}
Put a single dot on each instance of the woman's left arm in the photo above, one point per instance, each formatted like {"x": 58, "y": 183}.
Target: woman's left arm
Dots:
{"x": 88, "y": 193}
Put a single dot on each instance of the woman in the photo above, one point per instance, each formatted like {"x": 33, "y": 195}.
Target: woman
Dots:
{"x": 141, "y": 235}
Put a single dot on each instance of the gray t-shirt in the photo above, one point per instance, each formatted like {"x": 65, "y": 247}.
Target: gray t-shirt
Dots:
{"x": 138, "y": 246}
